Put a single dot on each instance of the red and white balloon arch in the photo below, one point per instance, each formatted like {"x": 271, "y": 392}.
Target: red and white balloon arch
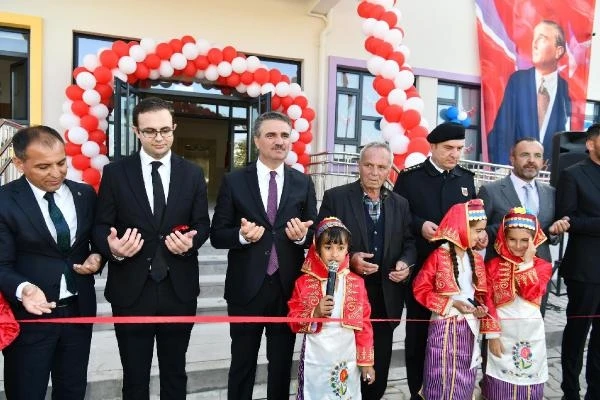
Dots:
{"x": 88, "y": 103}
{"x": 400, "y": 104}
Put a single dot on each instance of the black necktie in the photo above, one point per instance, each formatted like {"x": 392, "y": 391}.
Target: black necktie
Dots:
{"x": 63, "y": 237}
{"x": 158, "y": 270}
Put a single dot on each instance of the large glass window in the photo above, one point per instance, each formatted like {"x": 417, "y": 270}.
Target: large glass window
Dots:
{"x": 465, "y": 98}
{"x": 14, "y": 74}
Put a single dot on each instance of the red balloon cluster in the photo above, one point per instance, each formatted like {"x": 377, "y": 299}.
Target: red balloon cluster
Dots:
{"x": 400, "y": 105}
{"x": 85, "y": 112}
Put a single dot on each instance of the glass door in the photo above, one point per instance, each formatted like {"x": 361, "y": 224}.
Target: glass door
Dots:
{"x": 123, "y": 142}
{"x": 256, "y": 107}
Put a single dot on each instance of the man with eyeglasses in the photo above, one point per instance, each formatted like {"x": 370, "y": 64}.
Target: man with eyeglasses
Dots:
{"x": 151, "y": 219}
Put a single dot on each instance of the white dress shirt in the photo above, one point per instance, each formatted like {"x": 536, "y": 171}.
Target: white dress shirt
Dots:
{"x": 164, "y": 171}
{"x": 519, "y": 184}
{"x": 551, "y": 83}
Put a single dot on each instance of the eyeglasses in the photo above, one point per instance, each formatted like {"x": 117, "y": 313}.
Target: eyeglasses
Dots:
{"x": 152, "y": 133}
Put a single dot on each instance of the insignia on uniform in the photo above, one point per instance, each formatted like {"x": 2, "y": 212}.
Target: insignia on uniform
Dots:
{"x": 465, "y": 191}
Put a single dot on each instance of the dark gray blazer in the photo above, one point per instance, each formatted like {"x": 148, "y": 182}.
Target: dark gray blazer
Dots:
{"x": 500, "y": 196}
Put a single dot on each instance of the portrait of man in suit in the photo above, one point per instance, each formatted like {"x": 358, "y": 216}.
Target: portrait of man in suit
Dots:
{"x": 46, "y": 269}
{"x": 151, "y": 219}
{"x": 521, "y": 189}
{"x": 578, "y": 197}
{"x": 536, "y": 100}
{"x": 264, "y": 216}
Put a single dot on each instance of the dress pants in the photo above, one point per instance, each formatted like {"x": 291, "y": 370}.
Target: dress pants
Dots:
{"x": 584, "y": 300}
{"x": 245, "y": 344}
{"x": 42, "y": 350}
{"x": 136, "y": 342}
{"x": 415, "y": 344}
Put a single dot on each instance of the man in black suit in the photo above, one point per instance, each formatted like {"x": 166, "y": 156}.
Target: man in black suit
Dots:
{"x": 46, "y": 269}
{"x": 431, "y": 188}
{"x": 382, "y": 249}
{"x": 263, "y": 215}
{"x": 152, "y": 218}
{"x": 578, "y": 197}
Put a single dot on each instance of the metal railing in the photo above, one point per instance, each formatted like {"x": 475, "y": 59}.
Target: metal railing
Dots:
{"x": 8, "y": 171}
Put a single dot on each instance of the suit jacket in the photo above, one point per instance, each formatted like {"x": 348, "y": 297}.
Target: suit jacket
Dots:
{"x": 346, "y": 203}
{"x": 29, "y": 253}
{"x": 500, "y": 196}
{"x": 578, "y": 197}
{"x": 239, "y": 197}
{"x": 123, "y": 203}
{"x": 517, "y": 116}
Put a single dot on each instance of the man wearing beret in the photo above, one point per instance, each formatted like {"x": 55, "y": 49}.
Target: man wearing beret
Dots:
{"x": 431, "y": 188}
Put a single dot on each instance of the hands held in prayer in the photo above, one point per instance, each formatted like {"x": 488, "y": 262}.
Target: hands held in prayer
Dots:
{"x": 367, "y": 374}
{"x": 362, "y": 267}
{"x": 250, "y": 231}
{"x": 324, "y": 308}
{"x": 400, "y": 273}
{"x": 34, "y": 300}
{"x": 296, "y": 230}
{"x": 428, "y": 229}
{"x": 127, "y": 245}
{"x": 495, "y": 347}
{"x": 90, "y": 266}
{"x": 560, "y": 226}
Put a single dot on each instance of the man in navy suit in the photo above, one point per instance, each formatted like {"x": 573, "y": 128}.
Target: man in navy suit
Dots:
{"x": 152, "y": 218}
{"x": 46, "y": 269}
{"x": 264, "y": 216}
{"x": 536, "y": 100}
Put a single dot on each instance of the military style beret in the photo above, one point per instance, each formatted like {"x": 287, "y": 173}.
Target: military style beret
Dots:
{"x": 446, "y": 131}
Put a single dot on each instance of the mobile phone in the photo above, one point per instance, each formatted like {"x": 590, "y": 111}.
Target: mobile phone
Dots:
{"x": 474, "y": 302}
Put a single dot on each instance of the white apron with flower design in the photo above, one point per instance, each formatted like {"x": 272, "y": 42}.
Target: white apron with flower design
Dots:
{"x": 330, "y": 370}
{"x": 523, "y": 361}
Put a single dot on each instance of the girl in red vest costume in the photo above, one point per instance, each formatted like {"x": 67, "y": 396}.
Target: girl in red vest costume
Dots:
{"x": 334, "y": 355}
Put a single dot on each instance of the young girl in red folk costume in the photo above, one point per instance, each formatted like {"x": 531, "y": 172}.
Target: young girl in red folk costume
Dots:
{"x": 516, "y": 365}
{"x": 334, "y": 354}
{"x": 450, "y": 281}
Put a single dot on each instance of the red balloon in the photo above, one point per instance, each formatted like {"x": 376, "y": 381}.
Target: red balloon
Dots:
{"x": 399, "y": 159}
{"x": 286, "y": 102}
{"x": 103, "y": 149}
{"x": 384, "y": 49}
{"x": 176, "y": 45}
{"x": 188, "y": 39}
{"x": 390, "y": 18}
{"x": 77, "y": 71}
{"x": 261, "y": 76}
{"x": 104, "y": 90}
{"x": 383, "y": 86}
{"x": 393, "y": 113}
{"x": 397, "y": 56}
{"x": 201, "y": 62}
{"x": 74, "y": 92}
{"x": 306, "y": 137}
{"x": 222, "y": 81}
{"x": 215, "y": 56}
{"x": 274, "y": 76}
{"x": 417, "y": 131}
{"x": 233, "y": 80}
{"x": 102, "y": 74}
{"x": 152, "y": 61}
{"x": 132, "y": 43}
{"x": 247, "y": 77}
{"x": 80, "y": 108}
{"x": 109, "y": 59}
{"x": 88, "y": 122}
{"x": 371, "y": 44}
{"x": 298, "y": 147}
{"x": 418, "y": 145}
{"x": 275, "y": 102}
{"x": 364, "y": 9}
{"x": 80, "y": 162}
{"x": 303, "y": 159}
{"x": 142, "y": 71}
{"x": 97, "y": 136}
{"x": 190, "y": 69}
{"x": 72, "y": 149}
{"x": 229, "y": 53}
{"x": 164, "y": 51}
{"x": 91, "y": 176}
{"x": 377, "y": 11}
{"x": 381, "y": 105}
{"x": 120, "y": 48}
{"x": 131, "y": 79}
{"x": 308, "y": 114}
{"x": 301, "y": 101}
{"x": 412, "y": 92}
{"x": 410, "y": 119}
{"x": 285, "y": 78}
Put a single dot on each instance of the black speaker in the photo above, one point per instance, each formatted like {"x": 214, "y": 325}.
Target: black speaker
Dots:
{"x": 568, "y": 148}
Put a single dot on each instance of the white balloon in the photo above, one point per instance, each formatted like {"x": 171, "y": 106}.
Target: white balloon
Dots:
{"x": 203, "y": 46}
{"x": 137, "y": 52}
{"x": 68, "y": 120}
{"x": 90, "y": 149}
{"x": 69, "y": 162}
{"x": 404, "y": 50}
{"x": 392, "y": 129}
{"x": 298, "y": 167}
{"x": 399, "y": 144}
{"x": 66, "y": 106}
{"x": 267, "y": 88}
{"x": 90, "y": 62}
{"x": 91, "y": 97}
{"x": 253, "y": 89}
{"x": 308, "y": 149}
{"x": 211, "y": 73}
{"x": 398, "y": 15}
{"x": 78, "y": 135}
{"x": 385, "y": 3}
{"x": 252, "y": 63}
{"x": 414, "y": 159}
{"x": 154, "y": 74}
{"x": 238, "y": 64}
{"x": 390, "y": 69}
{"x": 396, "y": 97}
{"x": 424, "y": 123}
{"x": 117, "y": 73}
{"x": 241, "y": 88}
{"x": 224, "y": 68}
{"x": 414, "y": 103}
{"x": 148, "y": 44}
{"x": 99, "y": 111}
{"x": 190, "y": 51}
{"x": 462, "y": 115}
{"x": 380, "y": 29}
{"x": 127, "y": 65}
{"x": 404, "y": 79}
{"x": 374, "y": 64}
{"x": 294, "y": 136}
{"x": 74, "y": 174}
{"x": 86, "y": 80}
{"x": 294, "y": 111}
{"x": 292, "y": 158}
{"x": 103, "y": 125}
{"x": 301, "y": 125}
{"x": 282, "y": 89}
{"x": 368, "y": 25}
{"x": 178, "y": 61}
{"x": 295, "y": 89}
{"x": 394, "y": 37}
{"x": 166, "y": 69}
{"x": 98, "y": 162}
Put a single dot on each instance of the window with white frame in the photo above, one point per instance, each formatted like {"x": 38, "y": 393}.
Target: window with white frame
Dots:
{"x": 592, "y": 113}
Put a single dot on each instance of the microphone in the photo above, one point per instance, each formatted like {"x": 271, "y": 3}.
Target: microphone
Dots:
{"x": 332, "y": 268}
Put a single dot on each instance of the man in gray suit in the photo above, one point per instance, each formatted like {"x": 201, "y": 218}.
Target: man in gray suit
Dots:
{"x": 520, "y": 189}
